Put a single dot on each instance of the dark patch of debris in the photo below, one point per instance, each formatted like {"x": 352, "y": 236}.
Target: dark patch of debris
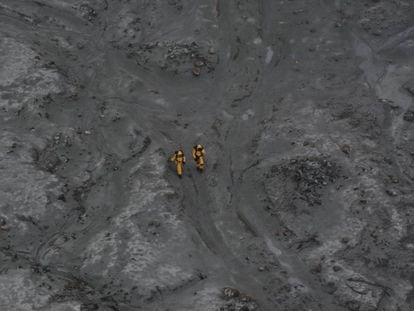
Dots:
{"x": 88, "y": 12}
{"x": 237, "y": 301}
{"x": 409, "y": 116}
{"x": 309, "y": 176}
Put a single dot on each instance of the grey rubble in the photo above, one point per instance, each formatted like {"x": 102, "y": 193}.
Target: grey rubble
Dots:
{"x": 306, "y": 112}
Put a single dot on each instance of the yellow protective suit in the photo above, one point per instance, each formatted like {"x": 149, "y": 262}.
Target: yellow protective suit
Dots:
{"x": 179, "y": 159}
{"x": 198, "y": 156}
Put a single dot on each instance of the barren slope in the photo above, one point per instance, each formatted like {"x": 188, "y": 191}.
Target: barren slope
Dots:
{"x": 305, "y": 109}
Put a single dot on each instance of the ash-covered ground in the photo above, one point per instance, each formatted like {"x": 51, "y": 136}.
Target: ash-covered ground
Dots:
{"x": 306, "y": 110}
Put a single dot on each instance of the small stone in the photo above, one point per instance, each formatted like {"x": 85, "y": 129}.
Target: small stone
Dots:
{"x": 88, "y": 132}
{"x": 336, "y": 268}
{"x": 202, "y": 276}
{"x": 296, "y": 12}
{"x": 3, "y": 221}
{"x": 199, "y": 63}
{"x": 345, "y": 240}
{"x": 346, "y": 149}
{"x": 229, "y": 292}
{"x": 89, "y": 307}
{"x": 395, "y": 180}
{"x": 391, "y": 192}
{"x": 377, "y": 33}
{"x": 196, "y": 71}
{"x": 353, "y": 305}
{"x": 245, "y": 298}
{"x": 317, "y": 268}
{"x": 261, "y": 269}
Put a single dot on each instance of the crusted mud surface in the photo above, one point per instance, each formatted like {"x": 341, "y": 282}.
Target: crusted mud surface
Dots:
{"x": 305, "y": 107}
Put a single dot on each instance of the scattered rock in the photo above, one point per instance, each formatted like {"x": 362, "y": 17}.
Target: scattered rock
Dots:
{"x": 50, "y": 161}
{"x": 238, "y": 301}
{"x": 175, "y": 57}
{"x": 316, "y": 268}
{"x": 245, "y": 298}
{"x": 88, "y": 12}
{"x": 229, "y": 293}
{"x": 177, "y": 4}
{"x": 409, "y": 116}
{"x": 353, "y": 305}
{"x": 212, "y": 50}
{"x": 391, "y": 192}
{"x": 310, "y": 175}
{"x": 346, "y": 149}
{"x": 89, "y": 307}
{"x": 394, "y": 180}
{"x": 196, "y": 71}
{"x": 3, "y": 223}
{"x": 199, "y": 63}
{"x": 410, "y": 87}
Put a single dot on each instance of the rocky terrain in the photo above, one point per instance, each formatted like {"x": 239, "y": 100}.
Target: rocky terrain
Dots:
{"x": 306, "y": 110}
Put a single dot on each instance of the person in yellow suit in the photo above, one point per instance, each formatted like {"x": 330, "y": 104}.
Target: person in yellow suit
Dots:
{"x": 198, "y": 155}
{"x": 179, "y": 159}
